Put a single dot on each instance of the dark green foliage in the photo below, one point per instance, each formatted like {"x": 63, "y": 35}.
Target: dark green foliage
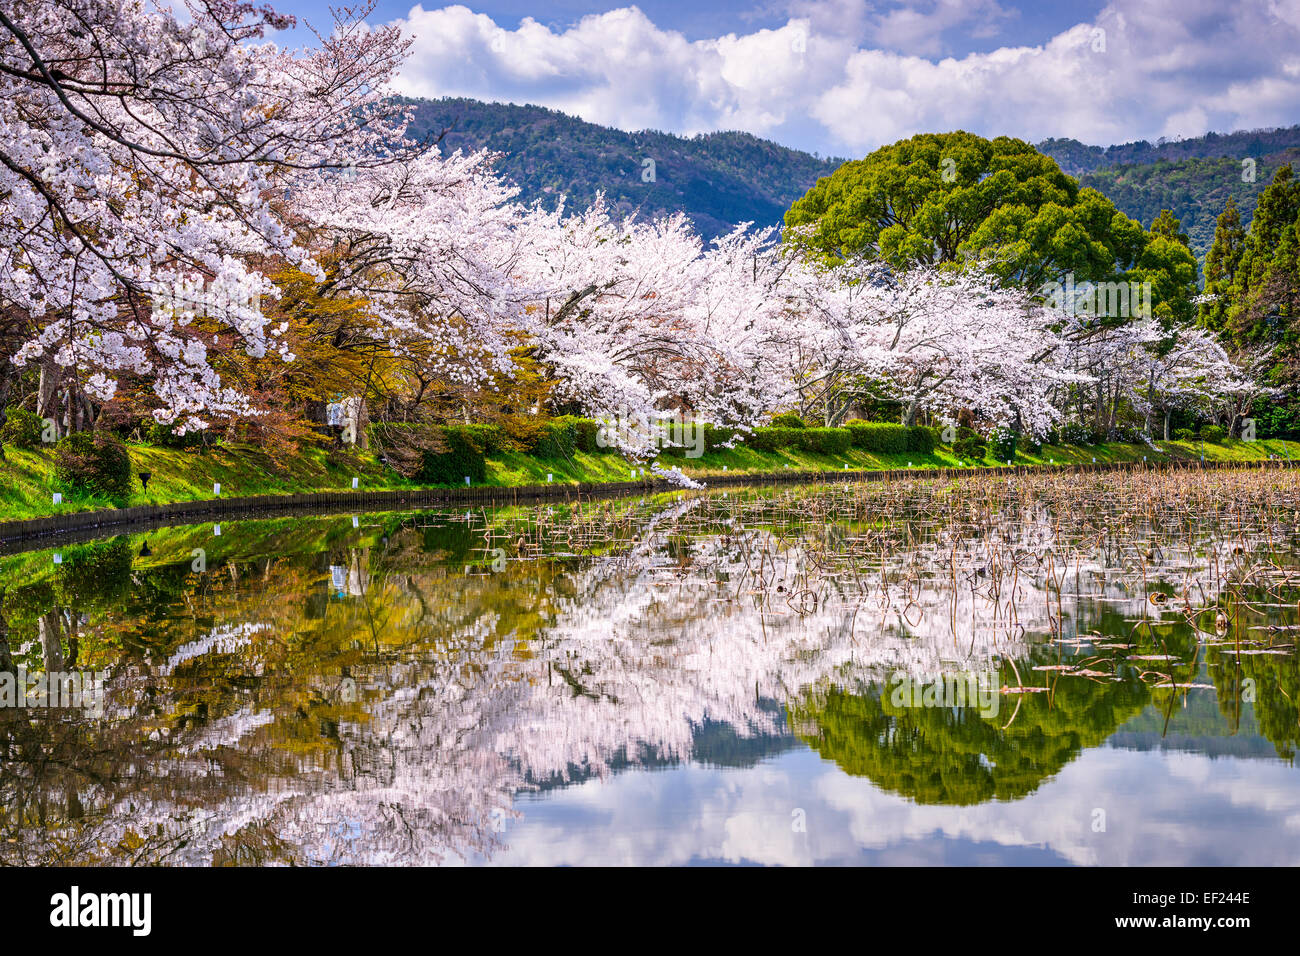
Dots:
{"x": 558, "y": 439}
{"x": 1212, "y": 433}
{"x": 164, "y": 436}
{"x": 922, "y": 439}
{"x": 1077, "y": 433}
{"x": 1184, "y": 434}
{"x": 1076, "y": 158}
{"x": 788, "y": 420}
{"x": 463, "y": 456}
{"x": 1197, "y": 190}
{"x": 22, "y": 428}
{"x": 94, "y": 464}
{"x": 879, "y": 437}
{"x": 825, "y": 441}
{"x": 585, "y": 436}
{"x": 970, "y": 446}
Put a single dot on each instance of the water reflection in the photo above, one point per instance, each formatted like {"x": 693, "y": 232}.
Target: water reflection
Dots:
{"x": 674, "y": 679}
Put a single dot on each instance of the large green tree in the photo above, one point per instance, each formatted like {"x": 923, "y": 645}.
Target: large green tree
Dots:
{"x": 945, "y": 197}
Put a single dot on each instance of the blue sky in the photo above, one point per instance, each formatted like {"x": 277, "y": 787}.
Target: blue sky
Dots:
{"x": 842, "y": 77}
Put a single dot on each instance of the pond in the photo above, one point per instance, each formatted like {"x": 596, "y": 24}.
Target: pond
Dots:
{"x": 1046, "y": 669}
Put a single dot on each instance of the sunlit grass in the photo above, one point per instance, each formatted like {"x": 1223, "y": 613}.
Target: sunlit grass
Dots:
{"x": 27, "y": 480}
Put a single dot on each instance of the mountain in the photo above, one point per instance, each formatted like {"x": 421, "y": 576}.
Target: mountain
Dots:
{"x": 720, "y": 179}
{"x": 1076, "y": 158}
{"x": 1192, "y": 178}
{"x": 717, "y": 179}
{"x": 1195, "y": 190}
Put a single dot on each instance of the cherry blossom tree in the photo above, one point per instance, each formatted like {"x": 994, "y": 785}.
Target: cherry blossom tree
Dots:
{"x": 144, "y": 153}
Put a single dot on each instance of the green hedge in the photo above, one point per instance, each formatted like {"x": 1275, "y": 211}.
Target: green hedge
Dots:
{"x": 826, "y": 441}
{"x": 879, "y": 438}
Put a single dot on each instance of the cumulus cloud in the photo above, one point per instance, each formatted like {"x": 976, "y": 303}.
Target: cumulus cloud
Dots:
{"x": 844, "y": 78}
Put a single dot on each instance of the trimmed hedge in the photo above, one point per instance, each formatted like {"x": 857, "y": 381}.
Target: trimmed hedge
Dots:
{"x": 96, "y": 464}
{"x": 826, "y": 441}
{"x": 880, "y": 438}
{"x": 1212, "y": 433}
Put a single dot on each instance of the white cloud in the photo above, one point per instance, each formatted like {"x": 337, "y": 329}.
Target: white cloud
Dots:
{"x": 1141, "y": 69}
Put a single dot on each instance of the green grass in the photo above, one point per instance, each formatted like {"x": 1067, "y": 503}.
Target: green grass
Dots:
{"x": 27, "y": 481}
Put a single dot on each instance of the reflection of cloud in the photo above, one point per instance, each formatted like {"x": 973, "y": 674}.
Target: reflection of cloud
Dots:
{"x": 1154, "y": 816}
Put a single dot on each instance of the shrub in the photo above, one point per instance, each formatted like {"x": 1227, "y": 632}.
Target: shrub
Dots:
{"x": 22, "y": 428}
{"x": 95, "y": 464}
{"x": 462, "y": 455}
{"x": 879, "y": 437}
{"x": 1005, "y": 443}
{"x": 586, "y": 430}
{"x": 971, "y": 446}
{"x": 1212, "y": 433}
{"x": 1078, "y": 433}
{"x": 1184, "y": 434}
{"x": 788, "y": 420}
{"x": 558, "y": 439}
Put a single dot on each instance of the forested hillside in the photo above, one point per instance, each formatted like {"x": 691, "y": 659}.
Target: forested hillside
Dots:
{"x": 1195, "y": 190}
{"x": 717, "y": 179}
{"x": 1077, "y": 158}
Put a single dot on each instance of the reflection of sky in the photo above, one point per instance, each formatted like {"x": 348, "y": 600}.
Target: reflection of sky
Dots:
{"x": 1160, "y": 809}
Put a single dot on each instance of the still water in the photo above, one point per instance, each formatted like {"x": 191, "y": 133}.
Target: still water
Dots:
{"x": 1047, "y": 670}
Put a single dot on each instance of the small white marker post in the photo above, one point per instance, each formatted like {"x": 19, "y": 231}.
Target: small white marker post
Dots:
{"x": 549, "y": 476}
{"x": 724, "y": 467}
{"x": 216, "y": 489}
{"x": 216, "y": 531}
{"x": 58, "y": 558}
{"x": 58, "y": 498}
{"x": 467, "y": 481}
{"x": 909, "y": 464}
{"x": 354, "y": 484}
{"x": 355, "y": 523}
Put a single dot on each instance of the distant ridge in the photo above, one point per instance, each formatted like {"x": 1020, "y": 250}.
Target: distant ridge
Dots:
{"x": 718, "y": 179}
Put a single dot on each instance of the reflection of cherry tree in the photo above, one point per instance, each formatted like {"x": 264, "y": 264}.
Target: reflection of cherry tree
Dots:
{"x": 248, "y": 740}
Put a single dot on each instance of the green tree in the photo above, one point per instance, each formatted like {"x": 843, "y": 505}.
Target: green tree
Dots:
{"x": 1221, "y": 264}
{"x": 945, "y": 197}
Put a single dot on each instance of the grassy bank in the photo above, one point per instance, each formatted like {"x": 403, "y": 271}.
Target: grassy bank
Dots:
{"x": 28, "y": 483}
